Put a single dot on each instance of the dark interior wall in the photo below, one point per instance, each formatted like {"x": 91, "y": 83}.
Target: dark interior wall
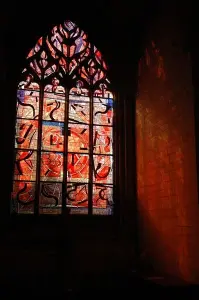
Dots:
{"x": 166, "y": 152}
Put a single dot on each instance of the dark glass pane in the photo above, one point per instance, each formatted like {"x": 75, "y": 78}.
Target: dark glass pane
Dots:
{"x": 50, "y": 201}
{"x": 77, "y": 198}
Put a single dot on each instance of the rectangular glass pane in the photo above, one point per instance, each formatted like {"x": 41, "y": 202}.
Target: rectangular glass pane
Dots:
{"x": 77, "y": 167}
{"x": 79, "y": 109}
{"x": 78, "y": 138}
{"x": 26, "y": 134}
{"x": 50, "y": 200}
{"x": 52, "y": 136}
{"x": 77, "y": 198}
{"x": 27, "y": 104}
{"x": 103, "y": 172}
{"x": 102, "y": 199}
{"x": 102, "y": 139}
{"x": 102, "y": 111}
{"x": 23, "y": 197}
{"x": 51, "y": 166}
{"x": 25, "y": 165}
{"x": 54, "y": 107}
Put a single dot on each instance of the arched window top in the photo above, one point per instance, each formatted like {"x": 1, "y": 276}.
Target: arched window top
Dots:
{"x": 64, "y": 128}
{"x": 66, "y": 50}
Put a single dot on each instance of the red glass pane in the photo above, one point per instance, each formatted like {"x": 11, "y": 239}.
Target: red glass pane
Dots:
{"x": 77, "y": 167}
{"x": 103, "y": 172}
{"x": 51, "y": 166}
{"x": 25, "y": 165}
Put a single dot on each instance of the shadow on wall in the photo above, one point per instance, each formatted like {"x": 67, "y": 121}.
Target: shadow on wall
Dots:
{"x": 166, "y": 165}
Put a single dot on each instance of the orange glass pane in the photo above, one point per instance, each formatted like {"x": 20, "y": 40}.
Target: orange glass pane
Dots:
{"x": 52, "y": 136}
{"x": 102, "y": 199}
{"x": 102, "y": 111}
{"x": 102, "y": 139}
{"x": 78, "y": 138}
{"x": 79, "y": 108}
{"x": 54, "y": 107}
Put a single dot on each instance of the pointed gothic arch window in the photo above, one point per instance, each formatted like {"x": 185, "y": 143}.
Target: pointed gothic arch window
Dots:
{"x": 64, "y": 128}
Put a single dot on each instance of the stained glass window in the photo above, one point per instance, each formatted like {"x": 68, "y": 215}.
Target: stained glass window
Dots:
{"x": 64, "y": 128}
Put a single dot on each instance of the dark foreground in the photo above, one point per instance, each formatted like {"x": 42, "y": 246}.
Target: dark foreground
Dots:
{"x": 95, "y": 286}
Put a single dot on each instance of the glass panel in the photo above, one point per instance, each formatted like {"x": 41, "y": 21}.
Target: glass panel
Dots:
{"x": 102, "y": 111}
{"x": 78, "y": 138}
{"x": 23, "y": 197}
{"x": 102, "y": 139}
{"x": 79, "y": 109}
{"x": 77, "y": 198}
{"x": 51, "y": 166}
{"x": 78, "y": 167}
{"x": 50, "y": 201}
{"x": 25, "y": 165}
{"x": 54, "y": 107}
{"x": 103, "y": 169}
{"x": 26, "y": 134}
{"x": 27, "y": 104}
{"x": 52, "y": 136}
{"x": 102, "y": 199}
{"x": 64, "y": 52}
